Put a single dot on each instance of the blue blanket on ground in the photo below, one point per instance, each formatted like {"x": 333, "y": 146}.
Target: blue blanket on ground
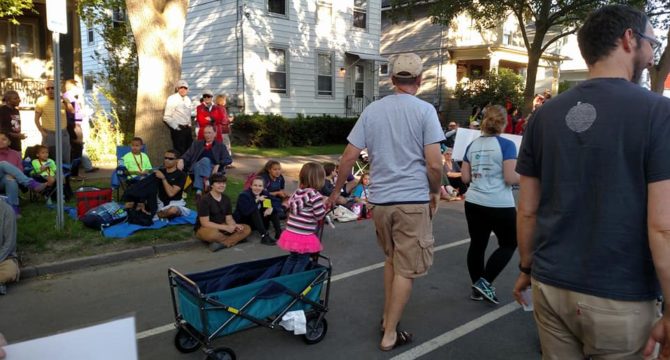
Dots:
{"x": 124, "y": 230}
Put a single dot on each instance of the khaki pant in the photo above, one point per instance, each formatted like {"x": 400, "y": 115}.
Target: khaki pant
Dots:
{"x": 405, "y": 233}
{"x": 573, "y": 325}
{"x": 215, "y": 235}
{"x": 9, "y": 271}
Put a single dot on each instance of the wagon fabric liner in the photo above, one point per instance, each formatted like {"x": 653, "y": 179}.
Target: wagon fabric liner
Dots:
{"x": 235, "y": 285}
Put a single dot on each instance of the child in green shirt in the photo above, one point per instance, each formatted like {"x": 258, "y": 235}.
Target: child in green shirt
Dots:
{"x": 43, "y": 166}
{"x": 136, "y": 162}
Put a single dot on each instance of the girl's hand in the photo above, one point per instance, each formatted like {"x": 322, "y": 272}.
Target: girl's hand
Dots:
{"x": 267, "y": 212}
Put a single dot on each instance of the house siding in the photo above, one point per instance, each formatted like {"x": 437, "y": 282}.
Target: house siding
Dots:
{"x": 91, "y": 66}
{"x": 299, "y": 33}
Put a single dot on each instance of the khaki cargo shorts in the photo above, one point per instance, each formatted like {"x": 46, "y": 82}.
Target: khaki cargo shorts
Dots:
{"x": 405, "y": 233}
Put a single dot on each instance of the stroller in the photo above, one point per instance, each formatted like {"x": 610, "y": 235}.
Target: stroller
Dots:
{"x": 219, "y": 302}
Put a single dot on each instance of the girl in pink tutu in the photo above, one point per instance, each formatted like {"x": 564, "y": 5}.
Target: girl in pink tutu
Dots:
{"x": 306, "y": 209}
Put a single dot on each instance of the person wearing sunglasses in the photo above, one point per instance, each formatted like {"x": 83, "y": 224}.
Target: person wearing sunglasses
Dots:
{"x": 177, "y": 116}
{"x": 45, "y": 120}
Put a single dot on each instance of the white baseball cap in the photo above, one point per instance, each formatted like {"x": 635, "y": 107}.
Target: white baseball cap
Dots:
{"x": 406, "y": 66}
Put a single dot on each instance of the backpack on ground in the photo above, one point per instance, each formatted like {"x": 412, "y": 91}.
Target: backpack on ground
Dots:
{"x": 104, "y": 215}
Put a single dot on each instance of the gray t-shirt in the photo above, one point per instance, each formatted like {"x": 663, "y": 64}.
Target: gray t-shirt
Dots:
{"x": 594, "y": 149}
{"x": 395, "y": 130}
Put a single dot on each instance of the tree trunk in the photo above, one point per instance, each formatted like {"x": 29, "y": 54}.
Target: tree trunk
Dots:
{"x": 659, "y": 72}
{"x": 531, "y": 77}
{"x": 158, "y": 27}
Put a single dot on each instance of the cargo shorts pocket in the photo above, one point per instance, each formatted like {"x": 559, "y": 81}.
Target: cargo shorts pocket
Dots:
{"x": 610, "y": 329}
{"x": 424, "y": 254}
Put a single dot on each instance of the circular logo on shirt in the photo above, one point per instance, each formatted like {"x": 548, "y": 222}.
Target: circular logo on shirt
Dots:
{"x": 581, "y": 117}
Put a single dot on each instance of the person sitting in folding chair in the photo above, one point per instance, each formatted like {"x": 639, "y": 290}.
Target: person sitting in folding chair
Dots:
{"x": 136, "y": 162}
{"x": 44, "y": 170}
{"x": 204, "y": 158}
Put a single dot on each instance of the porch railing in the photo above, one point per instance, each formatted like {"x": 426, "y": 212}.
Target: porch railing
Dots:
{"x": 355, "y": 105}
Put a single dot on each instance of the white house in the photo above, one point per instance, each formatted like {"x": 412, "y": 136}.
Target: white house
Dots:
{"x": 285, "y": 56}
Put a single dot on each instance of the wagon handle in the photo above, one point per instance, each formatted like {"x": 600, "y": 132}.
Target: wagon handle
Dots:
{"x": 184, "y": 278}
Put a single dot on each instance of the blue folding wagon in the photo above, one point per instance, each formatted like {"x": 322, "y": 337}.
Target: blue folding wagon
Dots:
{"x": 219, "y": 302}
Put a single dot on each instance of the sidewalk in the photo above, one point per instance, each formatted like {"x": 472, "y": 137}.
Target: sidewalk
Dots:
{"x": 243, "y": 166}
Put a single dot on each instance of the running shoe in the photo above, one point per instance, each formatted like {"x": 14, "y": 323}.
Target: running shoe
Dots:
{"x": 484, "y": 288}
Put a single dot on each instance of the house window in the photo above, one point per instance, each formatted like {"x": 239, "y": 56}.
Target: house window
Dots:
{"x": 324, "y": 11}
{"x": 277, "y": 7}
{"x": 325, "y": 75}
{"x": 89, "y": 79}
{"x": 91, "y": 35}
{"x": 19, "y": 45}
{"x": 277, "y": 70}
{"x": 359, "y": 81}
{"x": 383, "y": 69}
{"x": 118, "y": 17}
{"x": 360, "y": 13}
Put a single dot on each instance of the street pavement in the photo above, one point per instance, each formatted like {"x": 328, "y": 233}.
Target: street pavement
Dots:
{"x": 445, "y": 322}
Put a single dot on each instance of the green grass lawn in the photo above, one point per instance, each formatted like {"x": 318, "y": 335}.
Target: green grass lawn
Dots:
{"x": 39, "y": 241}
{"x": 290, "y": 151}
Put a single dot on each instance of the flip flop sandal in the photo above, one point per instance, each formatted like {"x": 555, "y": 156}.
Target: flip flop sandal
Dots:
{"x": 402, "y": 338}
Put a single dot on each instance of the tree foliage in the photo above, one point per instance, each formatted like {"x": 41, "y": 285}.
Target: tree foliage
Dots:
{"x": 659, "y": 15}
{"x": 118, "y": 79}
{"x": 542, "y": 22}
{"x": 496, "y": 88}
{"x": 13, "y": 8}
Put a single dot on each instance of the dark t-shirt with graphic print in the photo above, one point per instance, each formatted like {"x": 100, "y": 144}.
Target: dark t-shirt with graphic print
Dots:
{"x": 594, "y": 149}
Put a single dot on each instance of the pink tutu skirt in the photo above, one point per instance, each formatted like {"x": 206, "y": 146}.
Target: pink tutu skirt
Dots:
{"x": 302, "y": 244}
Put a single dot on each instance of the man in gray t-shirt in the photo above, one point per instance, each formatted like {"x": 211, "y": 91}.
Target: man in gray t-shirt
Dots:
{"x": 402, "y": 135}
{"x": 594, "y": 201}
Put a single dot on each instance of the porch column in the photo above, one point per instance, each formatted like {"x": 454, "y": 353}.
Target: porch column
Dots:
{"x": 556, "y": 79}
{"x": 494, "y": 61}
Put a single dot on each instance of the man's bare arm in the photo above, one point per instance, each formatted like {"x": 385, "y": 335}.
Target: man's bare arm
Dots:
{"x": 346, "y": 163}
{"x": 658, "y": 223}
{"x": 526, "y": 219}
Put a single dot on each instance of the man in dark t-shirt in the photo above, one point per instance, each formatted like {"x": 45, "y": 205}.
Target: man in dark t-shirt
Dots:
{"x": 170, "y": 189}
{"x": 10, "y": 119}
{"x": 215, "y": 223}
{"x": 594, "y": 201}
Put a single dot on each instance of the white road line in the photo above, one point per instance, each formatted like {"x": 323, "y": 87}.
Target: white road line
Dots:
{"x": 165, "y": 328}
{"x": 456, "y": 333}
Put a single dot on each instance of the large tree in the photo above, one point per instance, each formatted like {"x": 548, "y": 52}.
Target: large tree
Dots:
{"x": 158, "y": 27}
{"x": 13, "y": 8}
{"x": 541, "y": 22}
{"x": 659, "y": 14}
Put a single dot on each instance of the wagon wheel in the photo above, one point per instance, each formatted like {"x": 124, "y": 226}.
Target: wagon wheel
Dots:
{"x": 185, "y": 343}
{"x": 316, "y": 330}
{"x": 222, "y": 353}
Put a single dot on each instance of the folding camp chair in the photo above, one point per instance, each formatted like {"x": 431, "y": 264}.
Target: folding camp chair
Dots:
{"x": 362, "y": 165}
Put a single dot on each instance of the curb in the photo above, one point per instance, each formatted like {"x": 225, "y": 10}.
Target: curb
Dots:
{"x": 59, "y": 267}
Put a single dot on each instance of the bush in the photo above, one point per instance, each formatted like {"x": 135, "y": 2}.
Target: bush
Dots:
{"x": 276, "y": 131}
{"x": 496, "y": 88}
{"x": 104, "y": 136}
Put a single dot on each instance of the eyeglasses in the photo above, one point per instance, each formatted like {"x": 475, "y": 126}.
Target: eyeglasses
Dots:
{"x": 49, "y": 87}
{"x": 169, "y": 158}
{"x": 655, "y": 44}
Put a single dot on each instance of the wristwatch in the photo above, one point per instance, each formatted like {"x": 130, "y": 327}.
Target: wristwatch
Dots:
{"x": 525, "y": 270}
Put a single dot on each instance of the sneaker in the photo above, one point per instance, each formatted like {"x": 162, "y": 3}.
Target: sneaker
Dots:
{"x": 268, "y": 240}
{"x": 215, "y": 246}
{"x": 36, "y": 186}
{"x": 484, "y": 288}
{"x": 3, "y": 289}
{"x": 476, "y": 296}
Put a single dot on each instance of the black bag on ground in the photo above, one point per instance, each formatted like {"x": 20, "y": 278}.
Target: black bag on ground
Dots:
{"x": 104, "y": 215}
{"x": 139, "y": 217}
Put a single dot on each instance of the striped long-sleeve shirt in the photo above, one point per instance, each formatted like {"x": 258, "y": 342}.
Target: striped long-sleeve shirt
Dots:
{"x": 306, "y": 209}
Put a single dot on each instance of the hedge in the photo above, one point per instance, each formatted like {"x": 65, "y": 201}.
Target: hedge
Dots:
{"x": 276, "y": 131}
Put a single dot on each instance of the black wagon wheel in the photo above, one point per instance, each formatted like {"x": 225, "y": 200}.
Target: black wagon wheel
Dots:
{"x": 222, "y": 353}
{"x": 316, "y": 329}
{"x": 185, "y": 343}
